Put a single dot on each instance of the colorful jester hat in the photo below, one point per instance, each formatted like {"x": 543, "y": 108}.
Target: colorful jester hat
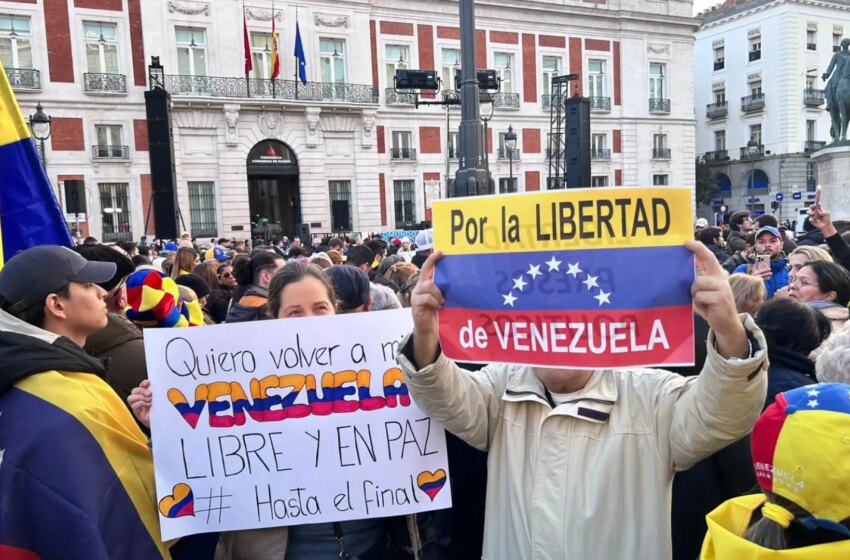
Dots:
{"x": 153, "y": 301}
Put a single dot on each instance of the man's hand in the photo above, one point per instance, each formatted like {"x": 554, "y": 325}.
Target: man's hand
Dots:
{"x": 761, "y": 274}
{"x": 140, "y": 400}
{"x": 822, "y": 220}
{"x": 714, "y": 302}
{"x": 426, "y": 300}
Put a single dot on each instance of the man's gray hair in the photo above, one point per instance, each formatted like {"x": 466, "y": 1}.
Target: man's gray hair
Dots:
{"x": 833, "y": 363}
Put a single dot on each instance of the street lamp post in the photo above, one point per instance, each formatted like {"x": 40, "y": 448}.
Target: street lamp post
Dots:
{"x": 487, "y": 107}
{"x": 510, "y": 146}
{"x": 752, "y": 149}
{"x": 41, "y": 124}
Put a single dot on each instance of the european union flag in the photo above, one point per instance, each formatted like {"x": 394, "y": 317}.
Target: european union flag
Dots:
{"x": 299, "y": 54}
{"x": 29, "y": 212}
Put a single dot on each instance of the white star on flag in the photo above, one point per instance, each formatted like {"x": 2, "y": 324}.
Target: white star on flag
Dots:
{"x": 574, "y": 270}
{"x": 554, "y": 264}
{"x": 603, "y": 297}
{"x": 519, "y": 283}
{"x": 509, "y": 299}
{"x": 534, "y": 271}
{"x": 813, "y": 403}
{"x": 590, "y": 281}
{"x": 813, "y": 392}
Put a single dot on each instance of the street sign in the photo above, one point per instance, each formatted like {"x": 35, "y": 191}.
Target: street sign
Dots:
{"x": 797, "y": 196}
{"x": 779, "y": 197}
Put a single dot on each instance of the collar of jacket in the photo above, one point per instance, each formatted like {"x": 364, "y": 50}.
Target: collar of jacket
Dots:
{"x": 593, "y": 402}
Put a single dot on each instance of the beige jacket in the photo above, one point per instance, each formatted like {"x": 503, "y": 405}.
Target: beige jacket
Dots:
{"x": 593, "y": 477}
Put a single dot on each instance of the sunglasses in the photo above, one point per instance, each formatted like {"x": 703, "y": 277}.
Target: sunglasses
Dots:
{"x": 227, "y": 275}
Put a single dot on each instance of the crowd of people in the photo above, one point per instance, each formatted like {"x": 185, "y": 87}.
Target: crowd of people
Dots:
{"x": 743, "y": 455}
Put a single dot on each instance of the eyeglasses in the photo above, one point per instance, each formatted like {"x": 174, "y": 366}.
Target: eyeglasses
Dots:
{"x": 802, "y": 282}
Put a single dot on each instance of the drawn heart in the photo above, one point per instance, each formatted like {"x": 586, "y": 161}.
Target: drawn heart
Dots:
{"x": 180, "y": 503}
{"x": 431, "y": 482}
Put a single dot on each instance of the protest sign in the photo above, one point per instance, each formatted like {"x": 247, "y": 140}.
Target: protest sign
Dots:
{"x": 289, "y": 422}
{"x": 579, "y": 278}
{"x": 400, "y": 233}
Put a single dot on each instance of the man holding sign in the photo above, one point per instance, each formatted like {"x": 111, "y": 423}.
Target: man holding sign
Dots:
{"x": 581, "y": 456}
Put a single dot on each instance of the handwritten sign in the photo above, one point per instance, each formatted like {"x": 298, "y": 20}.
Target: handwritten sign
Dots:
{"x": 578, "y": 278}
{"x": 289, "y": 422}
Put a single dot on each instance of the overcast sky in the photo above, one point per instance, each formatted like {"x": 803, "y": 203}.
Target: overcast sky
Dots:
{"x": 700, "y": 5}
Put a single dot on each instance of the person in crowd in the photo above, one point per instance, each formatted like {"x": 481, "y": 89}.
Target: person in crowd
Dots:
{"x": 821, "y": 219}
{"x": 799, "y": 457}
{"x": 221, "y": 285}
{"x": 130, "y": 248}
{"x": 189, "y": 296}
{"x": 404, "y": 275}
{"x": 322, "y": 260}
{"x": 711, "y": 237}
{"x": 153, "y": 301}
{"x": 798, "y": 258}
{"x": 833, "y": 361}
{"x": 297, "y": 252}
{"x": 740, "y": 226}
{"x": 749, "y": 293}
{"x": 825, "y": 286}
{"x": 336, "y": 244}
{"x": 404, "y": 251}
{"x": 120, "y": 341}
{"x": 72, "y": 456}
{"x": 424, "y": 247}
{"x": 240, "y": 247}
{"x": 90, "y": 241}
{"x": 336, "y": 257}
{"x": 811, "y": 235}
{"x": 352, "y": 288}
{"x": 769, "y": 243}
{"x": 199, "y": 285}
{"x": 788, "y": 245}
{"x": 254, "y": 274}
{"x": 699, "y": 225}
{"x": 185, "y": 261}
{"x": 551, "y": 491}
{"x": 360, "y": 256}
{"x": 741, "y": 257}
{"x": 379, "y": 250}
{"x": 216, "y": 256}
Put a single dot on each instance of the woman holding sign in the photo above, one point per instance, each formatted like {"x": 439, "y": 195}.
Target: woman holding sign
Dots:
{"x": 578, "y": 458}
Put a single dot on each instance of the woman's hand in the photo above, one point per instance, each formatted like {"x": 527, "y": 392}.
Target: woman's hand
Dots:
{"x": 426, "y": 300}
{"x": 822, "y": 220}
{"x": 140, "y": 400}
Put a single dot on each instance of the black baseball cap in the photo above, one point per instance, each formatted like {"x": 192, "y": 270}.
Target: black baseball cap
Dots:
{"x": 30, "y": 276}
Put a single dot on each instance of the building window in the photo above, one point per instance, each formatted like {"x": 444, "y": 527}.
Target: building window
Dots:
{"x": 405, "y": 202}
{"x": 755, "y": 48}
{"x": 551, "y": 68}
{"x": 596, "y": 78}
{"x": 659, "y": 147}
{"x": 109, "y": 144}
{"x": 599, "y": 181}
{"x": 811, "y": 176}
{"x": 662, "y": 180}
{"x": 191, "y": 51}
{"x": 507, "y": 185}
{"x": 397, "y": 58}
{"x": 15, "y": 42}
{"x": 811, "y": 135}
{"x": 811, "y": 79}
{"x": 332, "y": 60}
{"x": 261, "y": 54}
{"x": 450, "y": 65}
{"x": 340, "y": 194}
{"x": 719, "y": 58}
{"x": 836, "y": 42}
{"x": 504, "y": 70}
{"x": 720, "y": 140}
{"x": 755, "y": 133}
{"x": 598, "y": 142}
{"x": 453, "y": 145}
{"x": 812, "y": 39}
{"x": 101, "y": 47}
{"x": 202, "y": 208}
{"x": 402, "y": 145}
{"x": 755, "y": 88}
{"x": 720, "y": 97}
{"x": 115, "y": 212}
{"x": 657, "y": 87}
{"x": 503, "y": 149}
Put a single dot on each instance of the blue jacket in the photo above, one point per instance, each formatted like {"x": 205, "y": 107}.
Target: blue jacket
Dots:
{"x": 776, "y": 282}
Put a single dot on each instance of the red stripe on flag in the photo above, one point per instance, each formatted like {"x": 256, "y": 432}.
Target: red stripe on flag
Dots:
{"x": 249, "y": 65}
{"x": 578, "y": 339}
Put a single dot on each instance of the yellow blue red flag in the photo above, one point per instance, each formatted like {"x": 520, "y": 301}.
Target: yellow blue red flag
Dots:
{"x": 29, "y": 212}
{"x": 579, "y": 278}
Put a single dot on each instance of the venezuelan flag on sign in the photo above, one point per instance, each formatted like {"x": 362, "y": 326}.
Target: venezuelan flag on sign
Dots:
{"x": 29, "y": 212}
{"x": 579, "y": 278}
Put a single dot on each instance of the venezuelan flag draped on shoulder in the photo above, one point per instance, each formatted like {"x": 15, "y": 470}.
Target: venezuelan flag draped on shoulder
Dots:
{"x": 578, "y": 278}
{"x": 29, "y": 212}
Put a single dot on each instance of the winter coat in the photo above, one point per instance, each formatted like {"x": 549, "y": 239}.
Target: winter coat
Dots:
{"x": 253, "y": 306}
{"x": 737, "y": 241}
{"x": 121, "y": 342}
{"x": 718, "y": 253}
{"x": 788, "y": 370}
{"x": 76, "y": 477}
{"x": 574, "y": 481}
{"x": 837, "y": 315}
{"x": 779, "y": 279}
{"x": 218, "y": 303}
{"x": 728, "y": 524}
{"x": 813, "y": 238}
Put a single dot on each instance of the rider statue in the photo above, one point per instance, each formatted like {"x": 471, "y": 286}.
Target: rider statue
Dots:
{"x": 836, "y": 66}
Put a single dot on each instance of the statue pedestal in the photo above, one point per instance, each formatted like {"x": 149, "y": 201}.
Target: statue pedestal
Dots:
{"x": 833, "y": 164}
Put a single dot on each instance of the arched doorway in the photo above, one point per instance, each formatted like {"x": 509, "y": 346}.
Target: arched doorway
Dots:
{"x": 724, "y": 184}
{"x": 274, "y": 196}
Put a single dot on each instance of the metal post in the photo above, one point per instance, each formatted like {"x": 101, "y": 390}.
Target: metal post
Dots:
{"x": 486, "y": 147}
{"x": 471, "y": 179}
{"x": 511, "y": 167}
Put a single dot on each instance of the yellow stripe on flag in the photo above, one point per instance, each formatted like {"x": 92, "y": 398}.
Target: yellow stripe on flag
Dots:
{"x": 564, "y": 219}
{"x": 13, "y": 127}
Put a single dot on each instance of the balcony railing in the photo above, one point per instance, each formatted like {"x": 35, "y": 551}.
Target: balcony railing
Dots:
{"x": 600, "y": 153}
{"x": 813, "y": 146}
{"x": 755, "y": 55}
{"x": 399, "y": 97}
{"x": 408, "y": 154}
{"x": 600, "y": 103}
{"x": 752, "y": 152}
{"x": 814, "y": 97}
{"x": 115, "y": 236}
{"x": 716, "y": 110}
{"x": 213, "y": 86}
{"x": 104, "y": 83}
{"x": 24, "y": 79}
{"x": 660, "y": 153}
{"x": 717, "y": 156}
{"x": 719, "y": 64}
{"x": 752, "y": 103}
{"x": 503, "y": 154}
{"x": 506, "y": 100}
{"x": 659, "y": 106}
{"x": 102, "y": 151}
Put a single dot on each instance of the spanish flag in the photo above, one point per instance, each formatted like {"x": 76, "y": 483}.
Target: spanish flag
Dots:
{"x": 274, "y": 71}
{"x": 29, "y": 212}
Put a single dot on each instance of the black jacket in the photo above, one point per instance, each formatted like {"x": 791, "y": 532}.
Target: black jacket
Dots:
{"x": 218, "y": 303}
{"x": 811, "y": 239}
{"x": 788, "y": 370}
{"x": 253, "y": 306}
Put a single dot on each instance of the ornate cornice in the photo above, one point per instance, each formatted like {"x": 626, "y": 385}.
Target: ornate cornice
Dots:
{"x": 263, "y": 15}
{"x": 324, "y": 20}
{"x": 188, "y": 8}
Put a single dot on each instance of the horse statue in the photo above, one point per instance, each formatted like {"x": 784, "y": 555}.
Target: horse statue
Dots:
{"x": 835, "y": 73}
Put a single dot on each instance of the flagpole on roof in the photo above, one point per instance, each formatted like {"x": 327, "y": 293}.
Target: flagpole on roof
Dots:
{"x": 247, "y": 50}
{"x": 297, "y": 62}
{"x": 271, "y": 71}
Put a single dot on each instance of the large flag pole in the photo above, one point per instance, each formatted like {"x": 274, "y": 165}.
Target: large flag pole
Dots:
{"x": 297, "y": 62}
{"x": 274, "y": 71}
{"x": 246, "y": 39}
